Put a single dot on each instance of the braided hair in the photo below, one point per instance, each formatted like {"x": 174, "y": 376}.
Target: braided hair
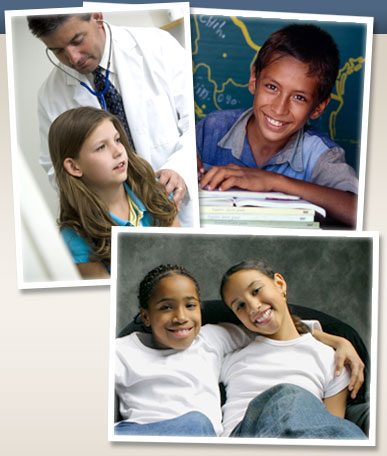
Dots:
{"x": 150, "y": 281}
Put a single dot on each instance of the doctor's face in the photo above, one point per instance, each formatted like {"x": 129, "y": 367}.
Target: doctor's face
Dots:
{"x": 78, "y": 44}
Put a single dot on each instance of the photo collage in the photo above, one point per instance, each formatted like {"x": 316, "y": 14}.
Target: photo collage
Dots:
{"x": 208, "y": 168}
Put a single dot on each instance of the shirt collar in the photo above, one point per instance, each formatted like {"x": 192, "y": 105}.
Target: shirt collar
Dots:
{"x": 136, "y": 201}
{"x": 291, "y": 152}
{"x": 235, "y": 138}
{"x": 105, "y": 56}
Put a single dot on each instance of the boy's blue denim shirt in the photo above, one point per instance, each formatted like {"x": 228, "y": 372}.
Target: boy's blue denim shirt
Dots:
{"x": 309, "y": 155}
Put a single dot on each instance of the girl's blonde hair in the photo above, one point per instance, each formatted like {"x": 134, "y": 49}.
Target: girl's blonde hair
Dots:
{"x": 80, "y": 208}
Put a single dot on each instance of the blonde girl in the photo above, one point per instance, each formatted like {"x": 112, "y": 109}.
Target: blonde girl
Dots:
{"x": 101, "y": 183}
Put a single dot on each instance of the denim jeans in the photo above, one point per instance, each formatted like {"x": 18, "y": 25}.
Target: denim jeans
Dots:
{"x": 191, "y": 424}
{"x": 288, "y": 411}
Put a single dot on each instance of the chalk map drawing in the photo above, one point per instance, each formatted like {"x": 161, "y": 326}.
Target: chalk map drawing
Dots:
{"x": 224, "y": 49}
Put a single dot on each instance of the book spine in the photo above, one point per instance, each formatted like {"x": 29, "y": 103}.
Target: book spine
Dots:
{"x": 254, "y": 210}
{"x": 256, "y": 217}
{"x": 262, "y": 224}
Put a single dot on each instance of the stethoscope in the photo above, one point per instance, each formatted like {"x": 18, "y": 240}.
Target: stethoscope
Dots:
{"x": 101, "y": 94}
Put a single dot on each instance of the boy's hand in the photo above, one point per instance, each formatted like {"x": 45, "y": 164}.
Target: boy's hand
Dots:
{"x": 226, "y": 177}
{"x": 346, "y": 354}
{"x": 200, "y": 169}
{"x": 339, "y": 205}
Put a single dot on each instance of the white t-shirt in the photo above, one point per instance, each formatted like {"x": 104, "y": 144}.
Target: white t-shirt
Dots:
{"x": 156, "y": 384}
{"x": 265, "y": 363}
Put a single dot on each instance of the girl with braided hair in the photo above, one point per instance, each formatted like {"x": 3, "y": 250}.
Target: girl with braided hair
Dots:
{"x": 101, "y": 183}
{"x": 167, "y": 381}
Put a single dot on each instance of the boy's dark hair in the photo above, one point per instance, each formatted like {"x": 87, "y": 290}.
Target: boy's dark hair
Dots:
{"x": 309, "y": 44}
{"x": 150, "y": 281}
{"x": 46, "y": 25}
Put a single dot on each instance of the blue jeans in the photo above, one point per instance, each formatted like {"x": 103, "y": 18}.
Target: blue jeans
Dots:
{"x": 288, "y": 411}
{"x": 191, "y": 424}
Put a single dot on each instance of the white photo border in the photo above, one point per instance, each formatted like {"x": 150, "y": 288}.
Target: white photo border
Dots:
{"x": 244, "y": 231}
{"x": 67, "y": 276}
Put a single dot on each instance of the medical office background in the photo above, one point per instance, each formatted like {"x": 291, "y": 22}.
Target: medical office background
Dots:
{"x": 39, "y": 235}
{"x": 54, "y": 343}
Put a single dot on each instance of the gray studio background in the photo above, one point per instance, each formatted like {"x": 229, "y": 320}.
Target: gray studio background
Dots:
{"x": 331, "y": 274}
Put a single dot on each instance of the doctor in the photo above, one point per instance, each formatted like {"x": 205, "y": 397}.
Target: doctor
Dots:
{"x": 148, "y": 68}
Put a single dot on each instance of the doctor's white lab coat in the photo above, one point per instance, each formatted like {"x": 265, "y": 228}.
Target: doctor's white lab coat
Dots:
{"x": 154, "y": 74}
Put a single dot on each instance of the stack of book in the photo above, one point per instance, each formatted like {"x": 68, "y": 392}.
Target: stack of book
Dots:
{"x": 257, "y": 209}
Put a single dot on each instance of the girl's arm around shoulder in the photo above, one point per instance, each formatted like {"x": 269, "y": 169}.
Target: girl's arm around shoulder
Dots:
{"x": 345, "y": 354}
{"x": 227, "y": 337}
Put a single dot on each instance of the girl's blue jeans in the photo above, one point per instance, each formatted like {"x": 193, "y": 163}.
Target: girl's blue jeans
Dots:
{"x": 284, "y": 411}
{"x": 288, "y": 411}
{"x": 191, "y": 424}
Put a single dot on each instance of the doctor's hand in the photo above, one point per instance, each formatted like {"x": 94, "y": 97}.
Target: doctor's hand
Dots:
{"x": 172, "y": 182}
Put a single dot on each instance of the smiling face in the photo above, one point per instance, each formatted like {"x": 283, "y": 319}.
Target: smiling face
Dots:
{"x": 102, "y": 162}
{"x": 260, "y": 304}
{"x": 173, "y": 312}
{"x": 77, "y": 43}
{"x": 285, "y": 97}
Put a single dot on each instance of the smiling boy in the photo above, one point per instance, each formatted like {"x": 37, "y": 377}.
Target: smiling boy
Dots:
{"x": 269, "y": 147}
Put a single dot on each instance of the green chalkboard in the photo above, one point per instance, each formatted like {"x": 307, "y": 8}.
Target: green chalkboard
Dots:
{"x": 224, "y": 49}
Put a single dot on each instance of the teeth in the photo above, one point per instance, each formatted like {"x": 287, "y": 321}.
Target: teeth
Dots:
{"x": 276, "y": 123}
{"x": 263, "y": 316}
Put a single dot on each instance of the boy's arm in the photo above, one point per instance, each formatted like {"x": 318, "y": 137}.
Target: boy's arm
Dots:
{"x": 345, "y": 354}
{"x": 336, "y": 404}
{"x": 338, "y": 204}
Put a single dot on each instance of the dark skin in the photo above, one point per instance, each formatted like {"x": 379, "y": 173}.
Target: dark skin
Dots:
{"x": 285, "y": 97}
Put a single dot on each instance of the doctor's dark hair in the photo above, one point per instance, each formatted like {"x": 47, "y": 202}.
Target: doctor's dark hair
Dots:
{"x": 80, "y": 207}
{"x": 41, "y": 26}
{"x": 308, "y": 44}
{"x": 266, "y": 270}
{"x": 153, "y": 278}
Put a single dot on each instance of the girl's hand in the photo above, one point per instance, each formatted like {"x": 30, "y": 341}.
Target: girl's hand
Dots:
{"x": 346, "y": 354}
